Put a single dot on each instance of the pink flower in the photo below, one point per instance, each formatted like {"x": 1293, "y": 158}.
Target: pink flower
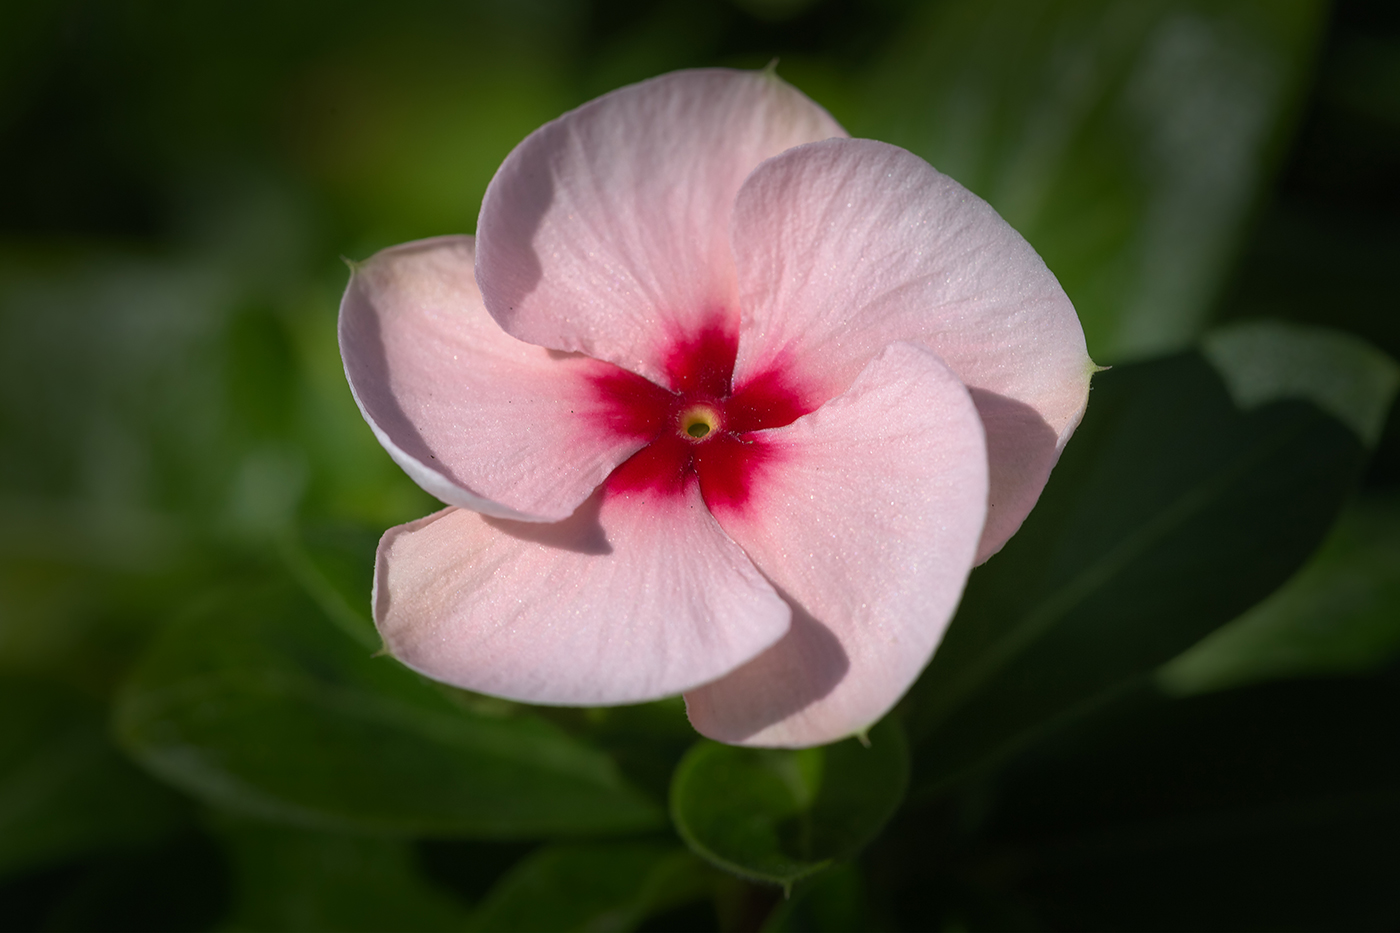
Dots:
{"x": 724, "y": 403}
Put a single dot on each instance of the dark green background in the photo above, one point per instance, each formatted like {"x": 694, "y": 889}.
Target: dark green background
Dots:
{"x": 194, "y": 733}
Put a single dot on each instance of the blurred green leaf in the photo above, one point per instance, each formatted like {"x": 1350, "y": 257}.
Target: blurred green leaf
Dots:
{"x": 593, "y": 887}
{"x": 1170, "y": 513}
{"x": 334, "y": 564}
{"x": 155, "y": 402}
{"x": 832, "y": 902}
{"x": 647, "y": 740}
{"x": 110, "y": 382}
{"x": 1269, "y": 807}
{"x": 26, "y": 29}
{"x": 1264, "y": 361}
{"x": 255, "y": 702}
{"x": 1339, "y": 615}
{"x": 1127, "y": 140}
{"x": 178, "y": 884}
{"x": 294, "y": 879}
{"x": 405, "y": 132}
{"x": 73, "y": 622}
{"x": 65, "y": 790}
{"x": 261, "y": 372}
{"x": 779, "y": 816}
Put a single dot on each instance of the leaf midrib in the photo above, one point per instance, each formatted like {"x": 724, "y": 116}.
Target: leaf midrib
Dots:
{"x": 1099, "y": 572}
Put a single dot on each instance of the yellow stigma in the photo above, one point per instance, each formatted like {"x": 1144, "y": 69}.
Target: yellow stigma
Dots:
{"x": 697, "y": 421}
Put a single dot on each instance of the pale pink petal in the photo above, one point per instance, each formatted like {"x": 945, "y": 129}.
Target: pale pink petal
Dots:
{"x": 844, "y": 246}
{"x": 607, "y": 230}
{"x": 866, "y": 519}
{"x": 476, "y": 417}
{"x": 631, "y": 599}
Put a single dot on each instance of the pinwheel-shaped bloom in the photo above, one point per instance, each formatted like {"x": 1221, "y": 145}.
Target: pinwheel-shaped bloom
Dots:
{"x": 723, "y": 402}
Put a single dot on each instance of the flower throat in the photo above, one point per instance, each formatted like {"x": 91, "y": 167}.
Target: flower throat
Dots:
{"x": 700, "y": 428}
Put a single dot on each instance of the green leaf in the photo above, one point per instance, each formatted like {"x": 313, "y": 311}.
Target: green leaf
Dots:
{"x": 647, "y": 740}
{"x": 833, "y": 901}
{"x": 430, "y": 125}
{"x": 1170, "y": 513}
{"x": 1126, "y": 140}
{"x": 294, "y": 879}
{"x": 1264, "y": 361}
{"x": 593, "y": 887}
{"x": 65, "y": 790}
{"x": 110, "y": 388}
{"x": 1274, "y": 806}
{"x": 334, "y": 564}
{"x": 255, "y": 702}
{"x": 779, "y": 816}
{"x": 1339, "y": 615}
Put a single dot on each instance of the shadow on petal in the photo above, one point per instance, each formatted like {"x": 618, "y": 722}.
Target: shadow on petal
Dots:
{"x": 515, "y": 205}
{"x": 799, "y": 669}
{"x": 1021, "y": 450}
{"x": 371, "y": 375}
{"x": 581, "y": 532}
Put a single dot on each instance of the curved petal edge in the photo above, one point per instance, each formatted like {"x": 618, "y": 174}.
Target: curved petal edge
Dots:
{"x": 628, "y": 600}
{"x": 606, "y": 231}
{"x": 868, "y": 527}
{"x": 477, "y": 418}
{"x": 847, "y": 245}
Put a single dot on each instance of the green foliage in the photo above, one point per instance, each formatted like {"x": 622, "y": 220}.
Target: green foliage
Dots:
{"x": 1161, "y": 706}
{"x": 294, "y": 879}
{"x": 175, "y": 884}
{"x": 1339, "y": 615}
{"x": 1264, "y": 361}
{"x": 779, "y": 816}
{"x": 1126, "y": 140}
{"x": 65, "y": 791}
{"x": 1170, "y": 513}
{"x": 832, "y": 902}
{"x": 1270, "y": 807}
{"x": 255, "y": 702}
{"x": 611, "y": 886}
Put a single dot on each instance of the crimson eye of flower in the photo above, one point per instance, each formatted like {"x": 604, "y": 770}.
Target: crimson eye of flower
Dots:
{"x": 698, "y": 421}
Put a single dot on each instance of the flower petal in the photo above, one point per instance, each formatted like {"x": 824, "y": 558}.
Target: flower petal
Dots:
{"x": 448, "y": 393}
{"x": 867, "y": 522}
{"x": 630, "y": 599}
{"x": 607, "y": 230}
{"x": 844, "y": 246}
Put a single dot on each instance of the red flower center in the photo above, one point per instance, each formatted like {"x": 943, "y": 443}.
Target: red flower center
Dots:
{"x": 700, "y": 429}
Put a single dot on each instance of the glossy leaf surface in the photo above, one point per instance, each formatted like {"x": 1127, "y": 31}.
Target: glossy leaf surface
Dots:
{"x": 777, "y": 815}
{"x": 1170, "y": 513}
{"x": 1339, "y": 615}
{"x": 257, "y": 703}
